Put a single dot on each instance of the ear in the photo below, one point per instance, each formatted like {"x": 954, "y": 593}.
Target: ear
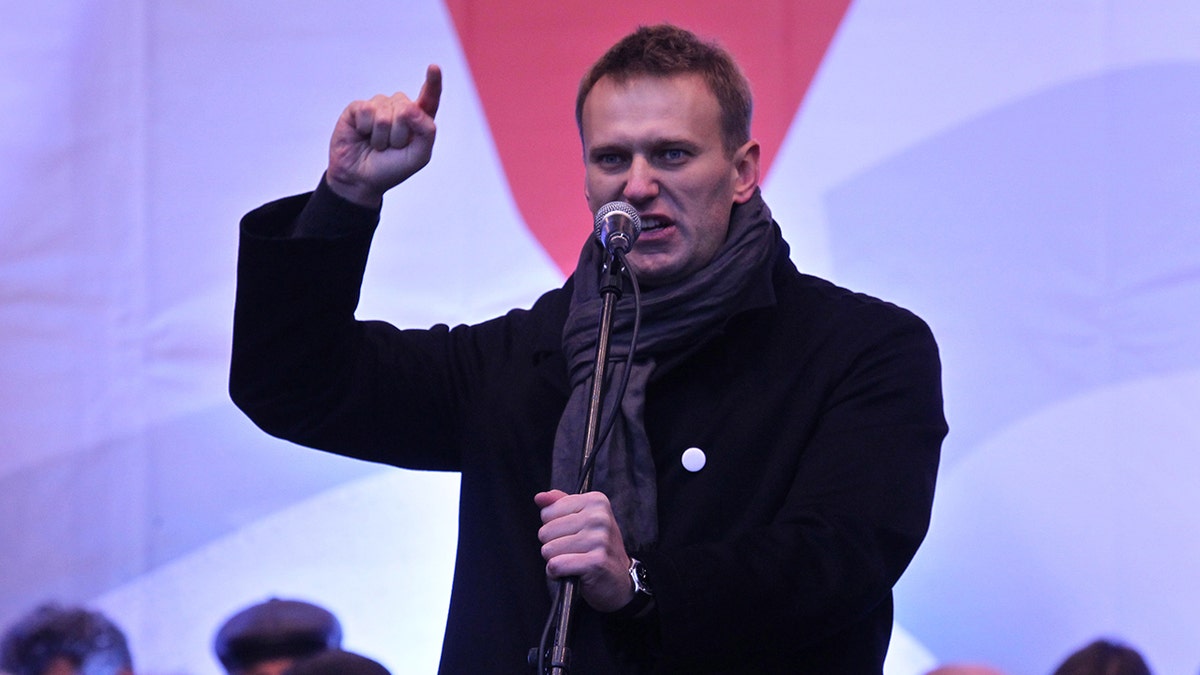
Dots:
{"x": 745, "y": 171}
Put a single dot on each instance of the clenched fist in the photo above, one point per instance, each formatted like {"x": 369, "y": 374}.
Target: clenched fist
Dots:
{"x": 379, "y": 143}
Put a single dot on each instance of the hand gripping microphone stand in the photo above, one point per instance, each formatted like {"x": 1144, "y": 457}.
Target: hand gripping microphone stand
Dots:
{"x": 617, "y": 227}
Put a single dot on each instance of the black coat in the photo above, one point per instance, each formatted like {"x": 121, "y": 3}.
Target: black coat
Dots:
{"x": 820, "y": 418}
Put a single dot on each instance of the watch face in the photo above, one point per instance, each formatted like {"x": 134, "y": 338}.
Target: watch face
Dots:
{"x": 640, "y": 582}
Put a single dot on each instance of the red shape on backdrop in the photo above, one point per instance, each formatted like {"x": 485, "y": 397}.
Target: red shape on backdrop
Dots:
{"x": 527, "y": 57}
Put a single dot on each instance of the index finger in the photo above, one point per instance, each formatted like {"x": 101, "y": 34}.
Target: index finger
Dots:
{"x": 431, "y": 91}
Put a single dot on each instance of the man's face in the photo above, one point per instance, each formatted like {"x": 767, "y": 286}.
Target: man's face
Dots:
{"x": 655, "y": 142}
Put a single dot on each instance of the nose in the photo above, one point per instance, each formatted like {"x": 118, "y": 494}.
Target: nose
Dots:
{"x": 641, "y": 183}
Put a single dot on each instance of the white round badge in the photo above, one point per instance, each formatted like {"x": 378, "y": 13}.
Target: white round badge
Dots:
{"x": 693, "y": 459}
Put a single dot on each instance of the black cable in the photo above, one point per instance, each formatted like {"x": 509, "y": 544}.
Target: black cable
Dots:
{"x": 543, "y": 643}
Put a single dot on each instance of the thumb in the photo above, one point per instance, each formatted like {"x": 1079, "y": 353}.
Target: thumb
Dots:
{"x": 544, "y": 499}
{"x": 431, "y": 92}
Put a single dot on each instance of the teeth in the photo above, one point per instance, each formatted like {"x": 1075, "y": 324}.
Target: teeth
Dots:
{"x": 651, "y": 223}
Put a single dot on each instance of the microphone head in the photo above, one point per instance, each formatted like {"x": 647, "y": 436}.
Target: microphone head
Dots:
{"x": 617, "y": 224}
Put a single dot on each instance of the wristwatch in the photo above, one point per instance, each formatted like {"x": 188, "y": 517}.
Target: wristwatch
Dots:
{"x": 641, "y": 583}
{"x": 643, "y": 597}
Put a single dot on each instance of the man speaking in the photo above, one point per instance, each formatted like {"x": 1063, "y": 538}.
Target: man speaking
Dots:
{"x": 771, "y": 464}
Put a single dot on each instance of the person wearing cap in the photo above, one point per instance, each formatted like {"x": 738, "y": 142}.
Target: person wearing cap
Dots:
{"x": 269, "y": 637}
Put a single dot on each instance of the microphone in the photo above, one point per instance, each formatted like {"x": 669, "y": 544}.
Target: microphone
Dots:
{"x": 617, "y": 226}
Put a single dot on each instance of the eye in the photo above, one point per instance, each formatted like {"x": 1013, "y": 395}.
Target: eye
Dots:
{"x": 674, "y": 155}
{"x": 608, "y": 160}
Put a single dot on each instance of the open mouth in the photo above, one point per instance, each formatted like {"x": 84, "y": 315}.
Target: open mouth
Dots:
{"x": 651, "y": 223}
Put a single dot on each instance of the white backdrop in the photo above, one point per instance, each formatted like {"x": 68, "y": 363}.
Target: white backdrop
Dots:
{"x": 1021, "y": 174}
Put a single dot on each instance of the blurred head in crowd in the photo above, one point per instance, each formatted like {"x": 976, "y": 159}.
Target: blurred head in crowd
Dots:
{"x": 337, "y": 662}
{"x": 964, "y": 669}
{"x": 1104, "y": 657}
{"x": 58, "y": 640}
{"x": 269, "y": 637}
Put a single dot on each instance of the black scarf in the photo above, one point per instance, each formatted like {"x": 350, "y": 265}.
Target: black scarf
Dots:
{"x": 676, "y": 319}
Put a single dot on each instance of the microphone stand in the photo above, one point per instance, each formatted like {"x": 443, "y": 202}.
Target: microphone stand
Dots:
{"x": 610, "y": 291}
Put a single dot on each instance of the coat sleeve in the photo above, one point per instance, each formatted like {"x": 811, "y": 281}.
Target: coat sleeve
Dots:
{"x": 304, "y": 369}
